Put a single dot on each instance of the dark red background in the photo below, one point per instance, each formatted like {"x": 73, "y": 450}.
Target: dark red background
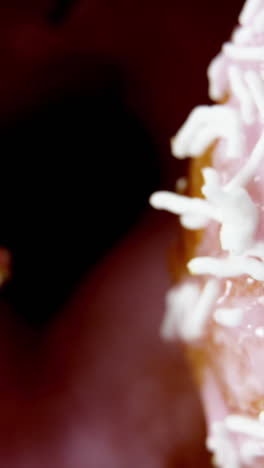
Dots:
{"x": 86, "y": 380}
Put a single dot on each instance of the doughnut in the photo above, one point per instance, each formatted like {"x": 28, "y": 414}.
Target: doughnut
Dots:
{"x": 217, "y": 306}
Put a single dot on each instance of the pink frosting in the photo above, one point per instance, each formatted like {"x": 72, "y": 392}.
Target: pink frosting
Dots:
{"x": 234, "y": 376}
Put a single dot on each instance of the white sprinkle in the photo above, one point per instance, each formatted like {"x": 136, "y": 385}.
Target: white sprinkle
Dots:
{"x": 204, "y": 137}
{"x": 179, "y": 204}
{"x": 248, "y": 170}
{"x": 250, "y": 8}
{"x": 181, "y": 184}
{"x": 250, "y": 450}
{"x": 242, "y": 35}
{"x": 237, "y": 212}
{"x": 259, "y": 332}
{"x": 217, "y": 80}
{"x": 225, "y": 454}
{"x": 256, "y": 86}
{"x": 258, "y": 25}
{"x": 229, "y": 317}
{"x": 231, "y": 207}
{"x": 203, "y": 308}
{"x": 245, "y": 425}
{"x": 211, "y": 177}
{"x": 228, "y": 267}
{"x": 188, "y": 310}
{"x": 204, "y": 125}
{"x": 180, "y": 302}
{"x": 182, "y": 205}
{"x": 244, "y": 53}
{"x": 260, "y": 300}
{"x": 239, "y": 221}
{"x": 227, "y": 291}
{"x": 194, "y": 221}
{"x": 240, "y": 90}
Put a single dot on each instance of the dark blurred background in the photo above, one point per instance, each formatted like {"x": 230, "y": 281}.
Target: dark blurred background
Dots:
{"x": 90, "y": 94}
